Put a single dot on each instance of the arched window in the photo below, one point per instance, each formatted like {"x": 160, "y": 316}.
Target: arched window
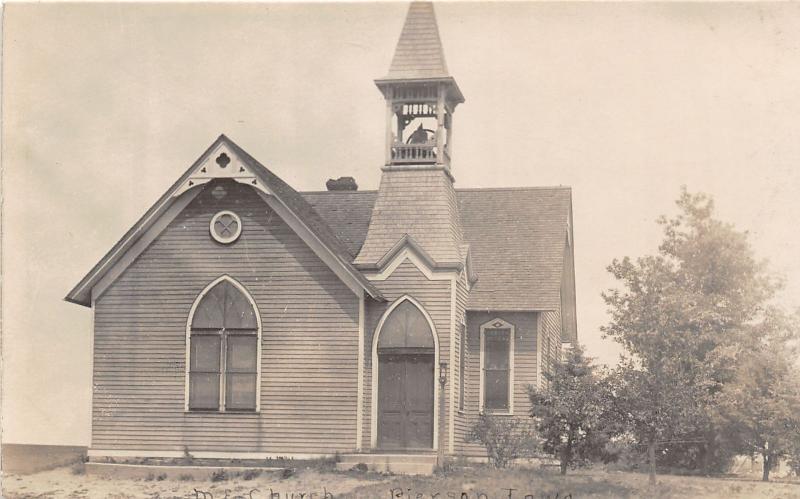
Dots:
{"x": 223, "y": 350}
{"x": 406, "y": 329}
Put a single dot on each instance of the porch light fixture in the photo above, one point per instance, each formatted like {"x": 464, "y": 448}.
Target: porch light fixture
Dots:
{"x": 443, "y": 373}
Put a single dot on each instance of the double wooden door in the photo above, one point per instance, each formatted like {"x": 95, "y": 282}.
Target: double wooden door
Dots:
{"x": 405, "y": 401}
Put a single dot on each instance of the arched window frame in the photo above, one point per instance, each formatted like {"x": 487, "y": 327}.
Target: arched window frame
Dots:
{"x": 374, "y": 398}
{"x": 497, "y": 324}
{"x": 187, "y": 357}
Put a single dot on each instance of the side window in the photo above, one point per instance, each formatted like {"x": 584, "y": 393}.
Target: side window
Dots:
{"x": 497, "y": 366}
{"x": 546, "y": 351}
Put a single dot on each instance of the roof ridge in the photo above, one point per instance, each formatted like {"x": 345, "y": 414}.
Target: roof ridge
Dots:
{"x": 324, "y": 191}
{"x": 459, "y": 189}
{"x": 520, "y": 188}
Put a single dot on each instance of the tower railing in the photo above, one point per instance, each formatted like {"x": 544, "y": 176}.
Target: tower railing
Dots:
{"x": 414, "y": 153}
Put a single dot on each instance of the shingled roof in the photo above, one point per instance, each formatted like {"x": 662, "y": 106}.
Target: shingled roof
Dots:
{"x": 421, "y": 204}
{"x": 419, "y": 52}
{"x": 516, "y": 238}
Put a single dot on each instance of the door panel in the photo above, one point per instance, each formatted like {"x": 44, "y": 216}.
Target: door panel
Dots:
{"x": 405, "y": 401}
{"x": 390, "y": 401}
{"x": 419, "y": 400}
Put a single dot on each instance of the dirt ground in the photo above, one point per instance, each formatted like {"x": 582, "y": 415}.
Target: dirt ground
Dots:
{"x": 471, "y": 483}
{"x": 63, "y": 482}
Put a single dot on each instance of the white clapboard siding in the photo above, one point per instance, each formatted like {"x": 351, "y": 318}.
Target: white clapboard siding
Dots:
{"x": 309, "y": 340}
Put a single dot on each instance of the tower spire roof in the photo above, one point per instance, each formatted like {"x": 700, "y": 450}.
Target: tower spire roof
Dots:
{"x": 419, "y": 52}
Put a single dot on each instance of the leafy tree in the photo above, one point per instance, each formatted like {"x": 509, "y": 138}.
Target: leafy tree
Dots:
{"x": 762, "y": 405}
{"x": 703, "y": 286}
{"x": 680, "y": 314}
{"x": 569, "y": 411}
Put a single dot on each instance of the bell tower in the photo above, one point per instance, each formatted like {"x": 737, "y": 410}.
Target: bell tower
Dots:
{"x": 420, "y": 94}
{"x": 415, "y": 246}
{"x": 416, "y": 202}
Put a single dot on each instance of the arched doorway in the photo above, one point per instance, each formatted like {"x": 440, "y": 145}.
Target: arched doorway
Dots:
{"x": 406, "y": 356}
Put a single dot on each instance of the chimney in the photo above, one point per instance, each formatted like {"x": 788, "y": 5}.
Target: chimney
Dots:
{"x": 342, "y": 184}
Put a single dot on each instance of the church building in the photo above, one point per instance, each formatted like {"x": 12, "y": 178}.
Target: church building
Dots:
{"x": 240, "y": 318}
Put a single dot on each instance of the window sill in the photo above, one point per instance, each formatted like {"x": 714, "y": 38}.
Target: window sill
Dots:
{"x": 496, "y": 413}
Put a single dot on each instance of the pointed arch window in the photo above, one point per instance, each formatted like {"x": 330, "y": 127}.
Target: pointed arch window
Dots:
{"x": 223, "y": 350}
{"x": 406, "y": 330}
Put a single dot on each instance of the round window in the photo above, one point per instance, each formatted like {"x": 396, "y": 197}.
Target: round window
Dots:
{"x": 226, "y": 226}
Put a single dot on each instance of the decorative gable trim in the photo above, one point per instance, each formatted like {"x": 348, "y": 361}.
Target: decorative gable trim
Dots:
{"x": 223, "y": 163}
{"x": 408, "y": 249}
{"x": 254, "y": 175}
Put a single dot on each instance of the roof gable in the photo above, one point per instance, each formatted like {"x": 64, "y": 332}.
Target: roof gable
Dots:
{"x": 224, "y": 159}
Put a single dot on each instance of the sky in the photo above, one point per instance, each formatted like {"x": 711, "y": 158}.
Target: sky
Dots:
{"x": 105, "y": 105}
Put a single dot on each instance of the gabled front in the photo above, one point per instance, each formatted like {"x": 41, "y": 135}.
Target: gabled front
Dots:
{"x": 223, "y": 160}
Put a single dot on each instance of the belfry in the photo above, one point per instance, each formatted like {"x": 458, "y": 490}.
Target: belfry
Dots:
{"x": 421, "y": 96}
{"x": 416, "y": 201}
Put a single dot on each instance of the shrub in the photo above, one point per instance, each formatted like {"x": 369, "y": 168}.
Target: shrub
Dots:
{"x": 362, "y": 467}
{"x": 161, "y": 477}
{"x": 187, "y": 458}
{"x": 219, "y": 476}
{"x": 185, "y": 477}
{"x": 78, "y": 469}
{"x": 251, "y": 474}
{"x": 150, "y": 477}
{"x": 445, "y": 468}
{"x": 505, "y": 438}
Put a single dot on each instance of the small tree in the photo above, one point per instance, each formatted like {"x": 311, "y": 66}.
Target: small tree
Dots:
{"x": 569, "y": 411}
{"x": 505, "y": 438}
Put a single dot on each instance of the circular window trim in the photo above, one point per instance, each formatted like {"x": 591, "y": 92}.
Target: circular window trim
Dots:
{"x": 233, "y": 237}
